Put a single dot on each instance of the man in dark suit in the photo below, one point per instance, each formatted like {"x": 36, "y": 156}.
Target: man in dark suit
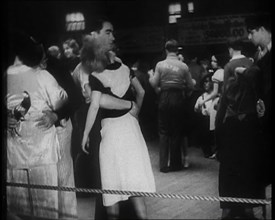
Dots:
{"x": 260, "y": 34}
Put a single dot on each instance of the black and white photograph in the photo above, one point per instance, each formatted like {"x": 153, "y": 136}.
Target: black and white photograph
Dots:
{"x": 136, "y": 109}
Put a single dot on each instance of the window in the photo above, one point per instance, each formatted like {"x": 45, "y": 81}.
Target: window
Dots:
{"x": 190, "y": 6}
{"x": 174, "y": 10}
{"x": 75, "y": 22}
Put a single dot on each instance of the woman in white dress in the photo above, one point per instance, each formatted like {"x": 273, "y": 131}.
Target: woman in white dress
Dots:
{"x": 217, "y": 63}
{"x": 124, "y": 157}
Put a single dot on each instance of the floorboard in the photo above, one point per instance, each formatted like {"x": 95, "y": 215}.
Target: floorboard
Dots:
{"x": 201, "y": 178}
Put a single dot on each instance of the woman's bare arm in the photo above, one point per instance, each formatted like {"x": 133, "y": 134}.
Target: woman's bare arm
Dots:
{"x": 92, "y": 112}
{"x": 108, "y": 101}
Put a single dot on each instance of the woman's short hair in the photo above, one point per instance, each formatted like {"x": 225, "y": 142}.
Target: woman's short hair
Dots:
{"x": 72, "y": 43}
{"x": 92, "y": 54}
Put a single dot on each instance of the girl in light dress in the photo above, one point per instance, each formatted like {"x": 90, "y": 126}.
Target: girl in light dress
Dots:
{"x": 124, "y": 158}
{"x": 206, "y": 110}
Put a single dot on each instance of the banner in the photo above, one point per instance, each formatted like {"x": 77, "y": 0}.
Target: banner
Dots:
{"x": 143, "y": 39}
{"x": 211, "y": 30}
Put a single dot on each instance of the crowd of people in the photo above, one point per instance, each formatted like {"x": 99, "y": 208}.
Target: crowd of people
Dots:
{"x": 78, "y": 108}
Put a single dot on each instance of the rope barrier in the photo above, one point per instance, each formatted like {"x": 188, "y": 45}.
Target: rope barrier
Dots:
{"x": 144, "y": 194}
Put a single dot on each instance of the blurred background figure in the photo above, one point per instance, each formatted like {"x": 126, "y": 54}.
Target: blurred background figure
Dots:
{"x": 70, "y": 54}
{"x": 196, "y": 71}
{"x": 206, "y": 127}
{"x": 181, "y": 57}
{"x": 205, "y": 64}
{"x": 54, "y": 51}
{"x": 148, "y": 111}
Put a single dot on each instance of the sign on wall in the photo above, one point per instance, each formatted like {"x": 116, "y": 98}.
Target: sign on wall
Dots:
{"x": 143, "y": 39}
{"x": 211, "y": 30}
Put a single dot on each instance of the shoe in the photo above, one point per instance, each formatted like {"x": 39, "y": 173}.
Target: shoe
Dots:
{"x": 176, "y": 168}
{"x": 213, "y": 156}
{"x": 186, "y": 163}
{"x": 207, "y": 156}
{"x": 165, "y": 169}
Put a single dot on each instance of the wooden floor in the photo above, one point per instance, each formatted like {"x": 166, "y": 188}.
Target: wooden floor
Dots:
{"x": 201, "y": 178}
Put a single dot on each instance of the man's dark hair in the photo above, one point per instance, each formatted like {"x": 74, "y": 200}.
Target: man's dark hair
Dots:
{"x": 236, "y": 44}
{"x": 97, "y": 25}
{"x": 171, "y": 46}
{"x": 222, "y": 59}
{"x": 257, "y": 21}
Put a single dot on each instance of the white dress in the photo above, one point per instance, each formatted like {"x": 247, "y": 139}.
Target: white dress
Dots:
{"x": 216, "y": 78}
{"x": 124, "y": 158}
{"x": 208, "y": 109}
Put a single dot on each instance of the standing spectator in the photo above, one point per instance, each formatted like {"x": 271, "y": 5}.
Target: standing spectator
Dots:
{"x": 54, "y": 51}
{"x": 124, "y": 157}
{"x": 173, "y": 81}
{"x": 70, "y": 54}
{"x": 217, "y": 63}
{"x": 247, "y": 105}
{"x": 205, "y": 64}
{"x": 241, "y": 144}
{"x": 237, "y": 128}
{"x": 196, "y": 72}
{"x": 260, "y": 34}
{"x": 32, "y": 150}
{"x": 148, "y": 111}
{"x": 206, "y": 127}
{"x": 67, "y": 203}
{"x": 235, "y": 48}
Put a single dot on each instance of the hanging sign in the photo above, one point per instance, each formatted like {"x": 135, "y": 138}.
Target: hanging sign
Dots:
{"x": 211, "y": 30}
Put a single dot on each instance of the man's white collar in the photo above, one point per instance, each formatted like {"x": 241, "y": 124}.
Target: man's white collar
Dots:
{"x": 238, "y": 56}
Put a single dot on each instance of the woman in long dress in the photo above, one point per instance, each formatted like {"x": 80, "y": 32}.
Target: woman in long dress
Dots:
{"x": 124, "y": 157}
{"x": 32, "y": 152}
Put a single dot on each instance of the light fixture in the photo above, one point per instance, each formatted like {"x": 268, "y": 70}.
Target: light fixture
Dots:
{"x": 190, "y": 6}
{"x": 174, "y": 10}
{"x": 75, "y": 21}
